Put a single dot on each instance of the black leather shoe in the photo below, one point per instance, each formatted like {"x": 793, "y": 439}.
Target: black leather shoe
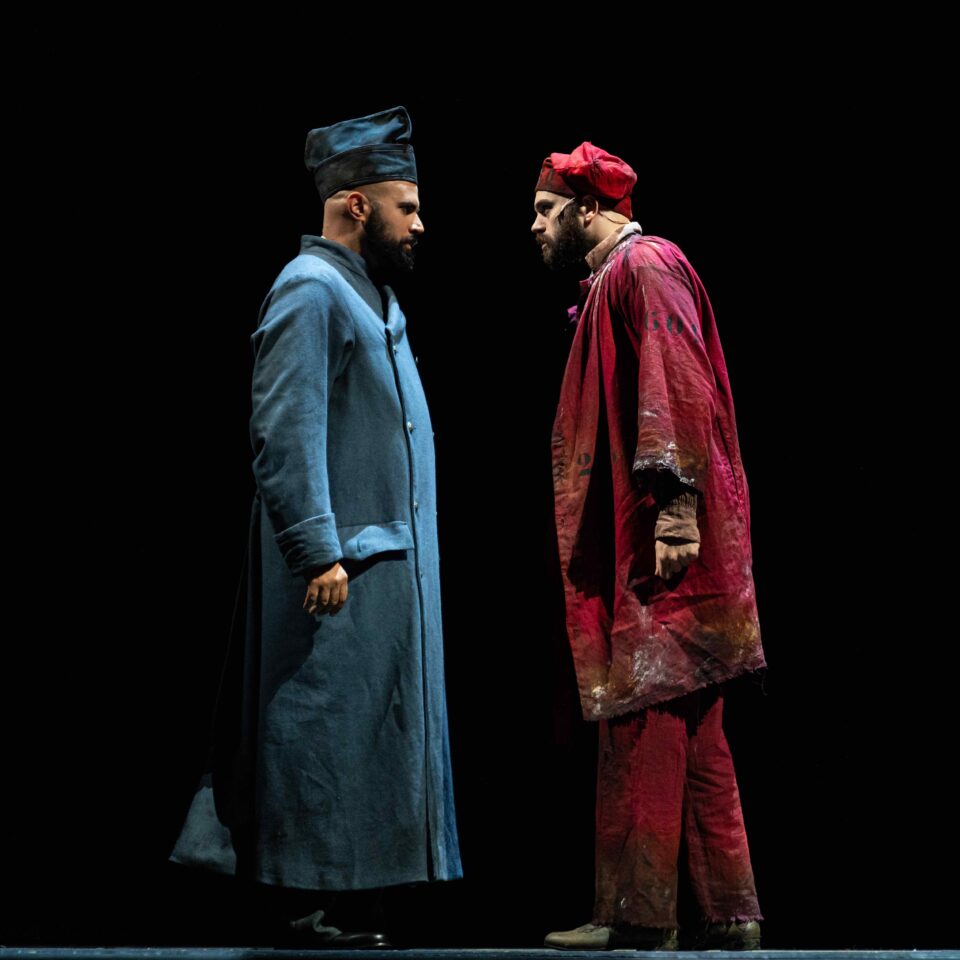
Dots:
{"x": 350, "y": 941}
{"x": 313, "y": 934}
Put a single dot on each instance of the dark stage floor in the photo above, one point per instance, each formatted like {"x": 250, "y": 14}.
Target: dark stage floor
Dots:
{"x": 260, "y": 953}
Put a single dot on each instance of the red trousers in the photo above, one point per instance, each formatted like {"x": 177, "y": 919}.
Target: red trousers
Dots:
{"x": 661, "y": 771}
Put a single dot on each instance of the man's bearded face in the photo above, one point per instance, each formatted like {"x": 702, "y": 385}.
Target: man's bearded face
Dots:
{"x": 559, "y": 232}
{"x": 392, "y": 229}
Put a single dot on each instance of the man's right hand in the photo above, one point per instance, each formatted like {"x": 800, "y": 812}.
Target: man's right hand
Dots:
{"x": 326, "y": 590}
{"x": 673, "y": 555}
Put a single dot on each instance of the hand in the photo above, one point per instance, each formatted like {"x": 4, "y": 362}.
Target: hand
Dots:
{"x": 326, "y": 590}
{"x": 673, "y": 557}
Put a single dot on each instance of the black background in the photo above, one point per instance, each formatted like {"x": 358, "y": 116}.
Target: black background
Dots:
{"x": 782, "y": 197}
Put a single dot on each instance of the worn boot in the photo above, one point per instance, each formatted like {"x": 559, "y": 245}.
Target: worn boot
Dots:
{"x": 731, "y": 935}
{"x": 592, "y": 936}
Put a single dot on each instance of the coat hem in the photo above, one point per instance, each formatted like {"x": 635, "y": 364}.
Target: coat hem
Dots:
{"x": 392, "y": 881}
{"x": 274, "y": 880}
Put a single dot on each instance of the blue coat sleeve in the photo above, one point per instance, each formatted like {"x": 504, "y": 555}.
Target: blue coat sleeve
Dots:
{"x": 302, "y": 344}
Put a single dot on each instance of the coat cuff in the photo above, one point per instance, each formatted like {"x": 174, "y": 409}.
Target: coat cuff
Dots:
{"x": 678, "y": 518}
{"x": 309, "y": 544}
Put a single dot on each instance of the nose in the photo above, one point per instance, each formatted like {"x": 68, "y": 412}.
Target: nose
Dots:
{"x": 417, "y": 225}
{"x": 538, "y": 225}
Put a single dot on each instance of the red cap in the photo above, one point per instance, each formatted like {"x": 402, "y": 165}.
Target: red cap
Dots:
{"x": 590, "y": 170}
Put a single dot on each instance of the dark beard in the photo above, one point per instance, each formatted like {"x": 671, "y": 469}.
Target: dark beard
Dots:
{"x": 569, "y": 247}
{"x": 386, "y": 258}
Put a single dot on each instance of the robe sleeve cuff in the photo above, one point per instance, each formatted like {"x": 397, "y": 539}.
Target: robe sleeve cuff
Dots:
{"x": 310, "y": 543}
{"x": 678, "y": 518}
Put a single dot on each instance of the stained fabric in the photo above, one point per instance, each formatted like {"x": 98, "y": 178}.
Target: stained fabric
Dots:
{"x": 646, "y": 392}
{"x": 663, "y": 772}
{"x": 331, "y": 765}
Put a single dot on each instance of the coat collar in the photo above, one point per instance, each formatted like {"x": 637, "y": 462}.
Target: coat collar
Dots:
{"x": 382, "y": 300}
{"x": 599, "y": 257}
{"x": 601, "y": 251}
{"x": 337, "y": 253}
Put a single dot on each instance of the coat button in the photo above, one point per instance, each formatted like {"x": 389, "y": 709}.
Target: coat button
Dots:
{"x": 410, "y": 425}
{"x": 396, "y": 349}
{"x": 416, "y": 504}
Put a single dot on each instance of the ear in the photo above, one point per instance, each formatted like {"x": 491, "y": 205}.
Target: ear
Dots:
{"x": 589, "y": 207}
{"x": 357, "y": 206}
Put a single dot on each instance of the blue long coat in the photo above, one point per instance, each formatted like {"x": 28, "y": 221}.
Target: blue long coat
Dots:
{"x": 331, "y": 767}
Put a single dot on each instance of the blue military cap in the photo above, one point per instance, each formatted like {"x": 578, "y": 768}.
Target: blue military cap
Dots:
{"x": 365, "y": 150}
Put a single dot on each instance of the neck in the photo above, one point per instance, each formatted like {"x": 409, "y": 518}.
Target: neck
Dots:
{"x": 603, "y": 225}
{"x": 346, "y": 238}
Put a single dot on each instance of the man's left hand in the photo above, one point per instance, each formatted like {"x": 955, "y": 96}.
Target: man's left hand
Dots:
{"x": 674, "y": 557}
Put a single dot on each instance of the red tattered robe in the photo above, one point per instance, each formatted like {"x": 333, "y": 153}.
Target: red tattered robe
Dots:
{"x": 646, "y": 389}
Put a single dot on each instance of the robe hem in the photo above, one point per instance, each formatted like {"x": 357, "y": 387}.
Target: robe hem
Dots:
{"x": 640, "y": 703}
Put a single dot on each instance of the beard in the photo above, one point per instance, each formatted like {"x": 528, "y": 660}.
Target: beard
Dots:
{"x": 565, "y": 253}
{"x": 385, "y": 256}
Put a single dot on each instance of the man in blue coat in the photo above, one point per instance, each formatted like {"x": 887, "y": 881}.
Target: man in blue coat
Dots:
{"x": 331, "y": 766}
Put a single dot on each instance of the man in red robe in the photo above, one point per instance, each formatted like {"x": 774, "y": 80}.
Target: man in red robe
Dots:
{"x": 653, "y": 528}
